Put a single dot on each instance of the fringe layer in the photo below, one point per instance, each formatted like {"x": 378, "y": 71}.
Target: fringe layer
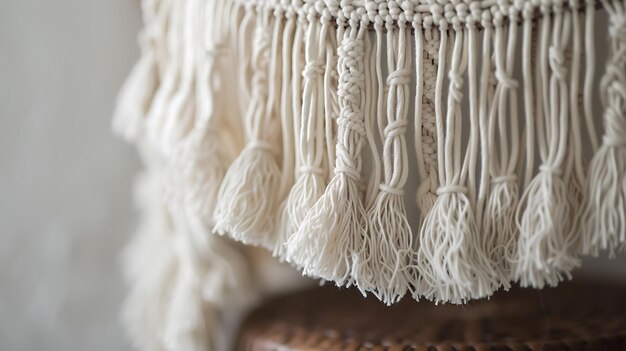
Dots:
{"x": 286, "y": 124}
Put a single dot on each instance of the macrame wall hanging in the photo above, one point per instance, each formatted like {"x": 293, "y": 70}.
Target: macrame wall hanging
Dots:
{"x": 442, "y": 149}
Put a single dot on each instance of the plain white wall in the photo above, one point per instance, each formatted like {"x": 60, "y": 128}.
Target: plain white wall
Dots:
{"x": 65, "y": 207}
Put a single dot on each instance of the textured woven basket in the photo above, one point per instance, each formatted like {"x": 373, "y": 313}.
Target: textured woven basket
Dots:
{"x": 574, "y": 316}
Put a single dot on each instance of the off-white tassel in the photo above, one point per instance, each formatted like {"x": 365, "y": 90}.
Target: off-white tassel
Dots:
{"x": 486, "y": 100}
{"x": 544, "y": 254}
{"x": 387, "y": 219}
{"x": 180, "y": 112}
{"x": 336, "y": 220}
{"x": 248, "y": 195}
{"x": 498, "y": 226}
{"x": 311, "y": 181}
{"x": 157, "y": 116}
{"x": 450, "y": 258}
{"x": 292, "y": 43}
{"x": 369, "y": 258}
{"x": 605, "y": 215}
{"x": 201, "y": 159}
{"x": 189, "y": 320}
{"x": 211, "y": 275}
{"x": 149, "y": 264}
{"x": 575, "y": 168}
{"x": 137, "y": 92}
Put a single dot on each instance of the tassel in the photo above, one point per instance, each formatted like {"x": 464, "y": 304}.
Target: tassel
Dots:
{"x": 451, "y": 261}
{"x": 498, "y": 225}
{"x": 368, "y": 271}
{"x": 311, "y": 181}
{"x": 388, "y": 223}
{"x": 291, "y": 93}
{"x": 336, "y": 220}
{"x": 544, "y": 252}
{"x": 248, "y": 195}
{"x": 157, "y": 115}
{"x": 180, "y": 111}
{"x": 137, "y": 93}
{"x": 201, "y": 159}
{"x": 149, "y": 264}
{"x": 211, "y": 275}
{"x": 575, "y": 167}
{"x": 426, "y": 44}
{"x": 188, "y": 325}
{"x": 604, "y": 219}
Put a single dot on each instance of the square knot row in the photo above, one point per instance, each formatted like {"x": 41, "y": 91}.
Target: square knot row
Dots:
{"x": 352, "y": 121}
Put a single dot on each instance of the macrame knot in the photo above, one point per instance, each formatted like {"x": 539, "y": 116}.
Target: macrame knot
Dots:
{"x": 391, "y": 189}
{"x": 557, "y": 62}
{"x": 352, "y": 49}
{"x": 313, "y": 69}
{"x": 506, "y": 80}
{"x": 312, "y": 170}
{"x": 394, "y": 9}
{"x": 351, "y": 121}
{"x": 261, "y": 146}
{"x": 426, "y": 193}
{"x": 456, "y": 84}
{"x": 550, "y": 169}
{"x": 614, "y": 141}
{"x": 333, "y": 7}
{"x": 371, "y": 7}
{"x": 437, "y": 10}
{"x": 448, "y": 189}
{"x": 399, "y": 77}
{"x": 504, "y": 179}
{"x": 326, "y": 16}
{"x": 617, "y": 28}
{"x": 395, "y": 128}
{"x": 345, "y": 164}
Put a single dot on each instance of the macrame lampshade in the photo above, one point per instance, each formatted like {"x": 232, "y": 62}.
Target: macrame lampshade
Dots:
{"x": 442, "y": 149}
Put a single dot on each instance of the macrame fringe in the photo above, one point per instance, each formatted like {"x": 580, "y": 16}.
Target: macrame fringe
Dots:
{"x": 137, "y": 93}
{"x": 450, "y": 227}
{"x": 499, "y": 225}
{"x": 285, "y": 124}
{"x": 311, "y": 176}
{"x": 150, "y": 267}
{"x": 389, "y": 231}
{"x": 604, "y": 220}
{"x": 248, "y": 194}
{"x": 336, "y": 220}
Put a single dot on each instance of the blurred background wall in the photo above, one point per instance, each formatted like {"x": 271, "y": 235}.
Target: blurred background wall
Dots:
{"x": 65, "y": 202}
{"x": 65, "y": 207}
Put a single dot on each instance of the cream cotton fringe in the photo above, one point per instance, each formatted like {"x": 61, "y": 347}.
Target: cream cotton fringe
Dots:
{"x": 296, "y": 125}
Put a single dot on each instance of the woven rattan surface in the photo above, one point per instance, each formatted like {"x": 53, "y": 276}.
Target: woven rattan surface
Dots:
{"x": 574, "y": 316}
